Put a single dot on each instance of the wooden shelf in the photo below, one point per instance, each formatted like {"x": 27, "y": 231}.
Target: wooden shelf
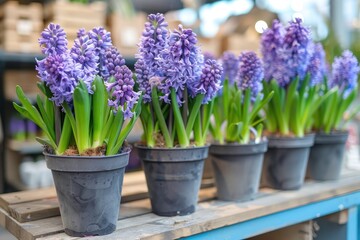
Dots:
{"x": 35, "y": 214}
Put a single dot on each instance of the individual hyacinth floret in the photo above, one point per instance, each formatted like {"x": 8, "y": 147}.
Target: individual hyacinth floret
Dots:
{"x": 230, "y": 64}
{"x": 181, "y": 63}
{"x": 122, "y": 92}
{"x": 53, "y": 40}
{"x": 210, "y": 80}
{"x": 317, "y": 65}
{"x": 344, "y": 74}
{"x": 250, "y": 74}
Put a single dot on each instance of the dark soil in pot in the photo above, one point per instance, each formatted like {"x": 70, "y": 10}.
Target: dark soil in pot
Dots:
{"x": 237, "y": 169}
{"x": 173, "y": 177}
{"x": 326, "y": 156}
{"x": 285, "y": 162}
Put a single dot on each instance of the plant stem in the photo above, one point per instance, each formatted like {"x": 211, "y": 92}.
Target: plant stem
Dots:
{"x": 179, "y": 124}
{"x": 160, "y": 118}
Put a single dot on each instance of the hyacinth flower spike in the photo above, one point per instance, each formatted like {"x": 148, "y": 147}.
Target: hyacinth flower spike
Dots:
{"x": 88, "y": 93}
{"x": 176, "y": 84}
{"x": 343, "y": 77}
{"x": 241, "y": 100}
{"x": 294, "y": 68}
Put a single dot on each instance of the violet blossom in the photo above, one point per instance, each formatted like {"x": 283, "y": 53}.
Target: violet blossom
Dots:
{"x": 210, "y": 80}
{"x": 272, "y": 41}
{"x": 181, "y": 64}
{"x": 230, "y": 63}
{"x": 143, "y": 79}
{"x": 153, "y": 42}
{"x": 344, "y": 74}
{"x": 59, "y": 73}
{"x": 83, "y": 52}
{"x": 53, "y": 40}
{"x": 208, "y": 55}
{"x": 112, "y": 60}
{"x": 250, "y": 74}
{"x": 297, "y": 48}
{"x": 122, "y": 94}
{"x": 317, "y": 65}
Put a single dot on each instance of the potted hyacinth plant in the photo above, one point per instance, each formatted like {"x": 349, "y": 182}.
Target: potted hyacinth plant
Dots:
{"x": 87, "y": 96}
{"x": 238, "y": 151}
{"x": 178, "y": 89}
{"x": 289, "y": 72}
{"x": 326, "y": 156}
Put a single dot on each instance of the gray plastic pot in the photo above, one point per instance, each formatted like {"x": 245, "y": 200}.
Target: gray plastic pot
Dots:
{"x": 237, "y": 169}
{"x": 326, "y": 156}
{"x": 89, "y": 191}
{"x": 173, "y": 177}
{"x": 286, "y": 160}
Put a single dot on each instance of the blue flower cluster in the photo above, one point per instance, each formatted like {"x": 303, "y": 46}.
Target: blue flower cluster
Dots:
{"x": 210, "y": 80}
{"x": 122, "y": 93}
{"x": 92, "y": 54}
{"x": 172, "y": 61}
{"x": 289, "y": 53}
{"x": 317, "y": 65}
{"x": 250, "y": 73}
{"x": 230, "y": 64}
{"x": 344, "y": 74}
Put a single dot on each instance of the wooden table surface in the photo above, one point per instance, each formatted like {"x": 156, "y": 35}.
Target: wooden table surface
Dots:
{"x": 35, "y": 214}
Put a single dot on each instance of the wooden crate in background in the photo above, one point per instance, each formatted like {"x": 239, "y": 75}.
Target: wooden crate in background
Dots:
{"x": 20, "y": 26}
{"x": 126, "y": 32}
{"x": 27, "y": 79}
{"x": 72, "y": 16}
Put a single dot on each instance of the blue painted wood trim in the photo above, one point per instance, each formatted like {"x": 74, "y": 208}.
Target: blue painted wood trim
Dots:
{"x": 352, "y": 224}
{"x": 283, "y": 219}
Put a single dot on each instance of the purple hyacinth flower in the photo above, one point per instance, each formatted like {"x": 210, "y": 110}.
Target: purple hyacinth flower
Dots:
{"x": 250, "y": 74}
{"x": 297, "y": 48}
{"x": 143, "y": 79}
{"x": 83, "y": 52}
{"x": 112, "y": 60}
{"x": 81, "y": 32}
{"x": 208, "y": 55}
{"x": 344, "y": 74}
{"x": 153, "y": 42}
{"x": 317, "y": 65}
{"x": 60, "y": 73}
{"x": 230, "y": 63}
{"x": 53, "y": 40}
{"x": 123, "y": 95}
{"x": 271, "y": 44}
{"x": 181, "y": 63}
{"x": 210, "y": 80}
{"x": 102, "y": 42}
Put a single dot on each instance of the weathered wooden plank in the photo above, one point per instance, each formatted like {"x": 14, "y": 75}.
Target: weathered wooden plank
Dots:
{"x": 26, "y": 196}
{"x": 30, "y": 211}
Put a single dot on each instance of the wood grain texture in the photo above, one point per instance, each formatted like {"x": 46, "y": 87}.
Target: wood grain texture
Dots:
{"x": 26, "y": 196}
